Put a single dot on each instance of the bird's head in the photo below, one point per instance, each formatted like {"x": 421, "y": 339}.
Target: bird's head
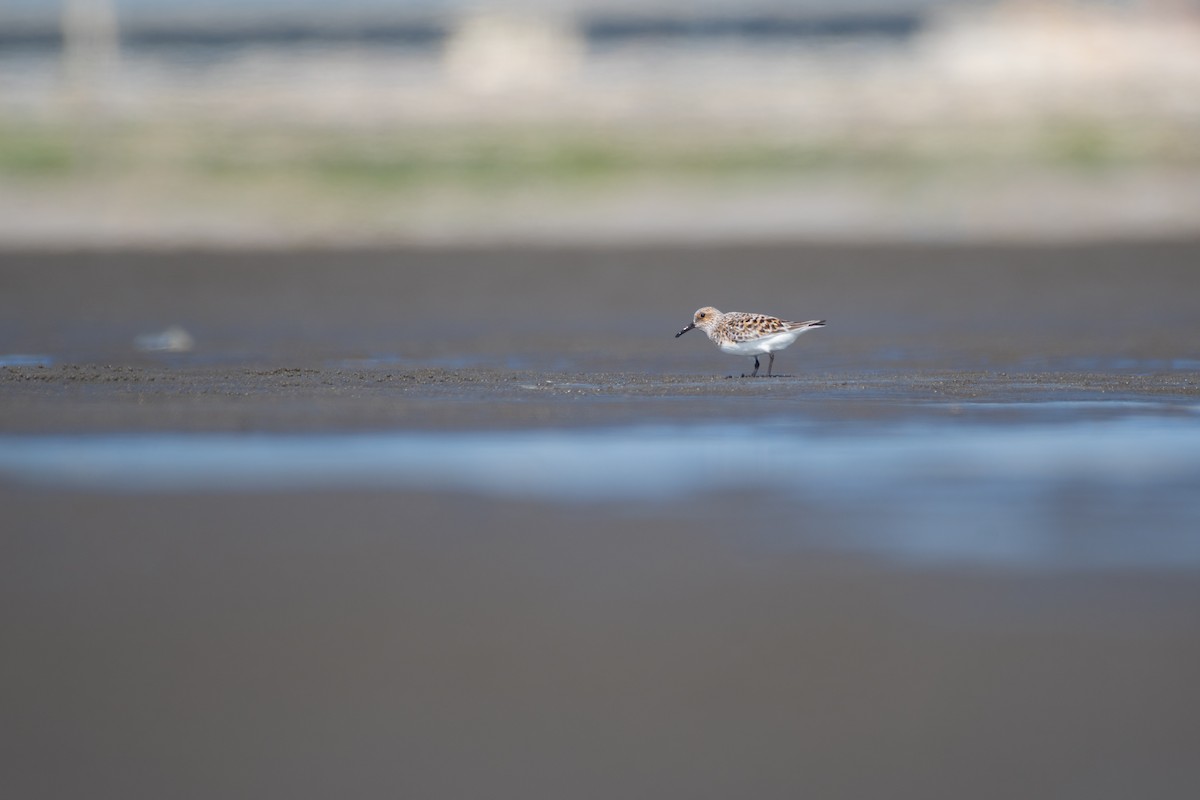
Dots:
{"x": 704, "y": 319}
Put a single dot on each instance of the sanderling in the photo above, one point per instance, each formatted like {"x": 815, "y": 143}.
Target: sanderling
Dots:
{"x": 745, "y": 334}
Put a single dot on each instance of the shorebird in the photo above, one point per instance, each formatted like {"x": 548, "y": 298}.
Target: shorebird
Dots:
{"x": 742, "y": 334}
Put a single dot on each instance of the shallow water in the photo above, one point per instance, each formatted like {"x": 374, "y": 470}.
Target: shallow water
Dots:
{"x": 1060, "y": 487}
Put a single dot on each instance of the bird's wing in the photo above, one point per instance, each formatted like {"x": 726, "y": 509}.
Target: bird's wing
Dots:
{"x": 748, "y": 327}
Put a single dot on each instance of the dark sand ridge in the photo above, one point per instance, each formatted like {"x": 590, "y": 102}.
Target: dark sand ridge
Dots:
{"x": 104, "y": 397}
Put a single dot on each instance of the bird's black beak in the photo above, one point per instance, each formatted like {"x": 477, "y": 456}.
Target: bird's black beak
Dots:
{"x": 685, "y": 330}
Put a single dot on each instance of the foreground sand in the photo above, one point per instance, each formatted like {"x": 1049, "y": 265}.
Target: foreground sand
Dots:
{"x": 426, "y": 645}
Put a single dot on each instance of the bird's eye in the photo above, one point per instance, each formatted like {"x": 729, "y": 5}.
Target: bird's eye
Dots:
{"x": 702, "y": 315}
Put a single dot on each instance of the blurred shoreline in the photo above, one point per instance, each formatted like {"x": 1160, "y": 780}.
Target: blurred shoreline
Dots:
{"x": 966, "y": 122}
{"x": 629, "y": 200}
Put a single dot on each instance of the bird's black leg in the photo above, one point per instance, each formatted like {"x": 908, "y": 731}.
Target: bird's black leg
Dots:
{"x": 755, "y": 373}
{"x": 770, "y": 364}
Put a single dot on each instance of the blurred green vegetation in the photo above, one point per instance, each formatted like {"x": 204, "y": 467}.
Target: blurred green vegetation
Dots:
{"x": 38, "y": 150}
{"x": 466, "y": 157}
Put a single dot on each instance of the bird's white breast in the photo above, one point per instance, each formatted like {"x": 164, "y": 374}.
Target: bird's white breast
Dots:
{"x": 765, "y": 344}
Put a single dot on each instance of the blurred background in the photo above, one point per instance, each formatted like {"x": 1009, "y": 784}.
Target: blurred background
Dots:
{"x": 265, "y": 122}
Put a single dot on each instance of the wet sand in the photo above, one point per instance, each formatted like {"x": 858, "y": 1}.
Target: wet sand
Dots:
{"x": 449, "y": 643}
{"x": 527, "y": 337}
{"x": 974, "y": 307}
{"x": 428, "y": 645}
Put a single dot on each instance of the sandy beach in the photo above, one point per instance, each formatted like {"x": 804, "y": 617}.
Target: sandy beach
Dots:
{"x": 980, "y": 578}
